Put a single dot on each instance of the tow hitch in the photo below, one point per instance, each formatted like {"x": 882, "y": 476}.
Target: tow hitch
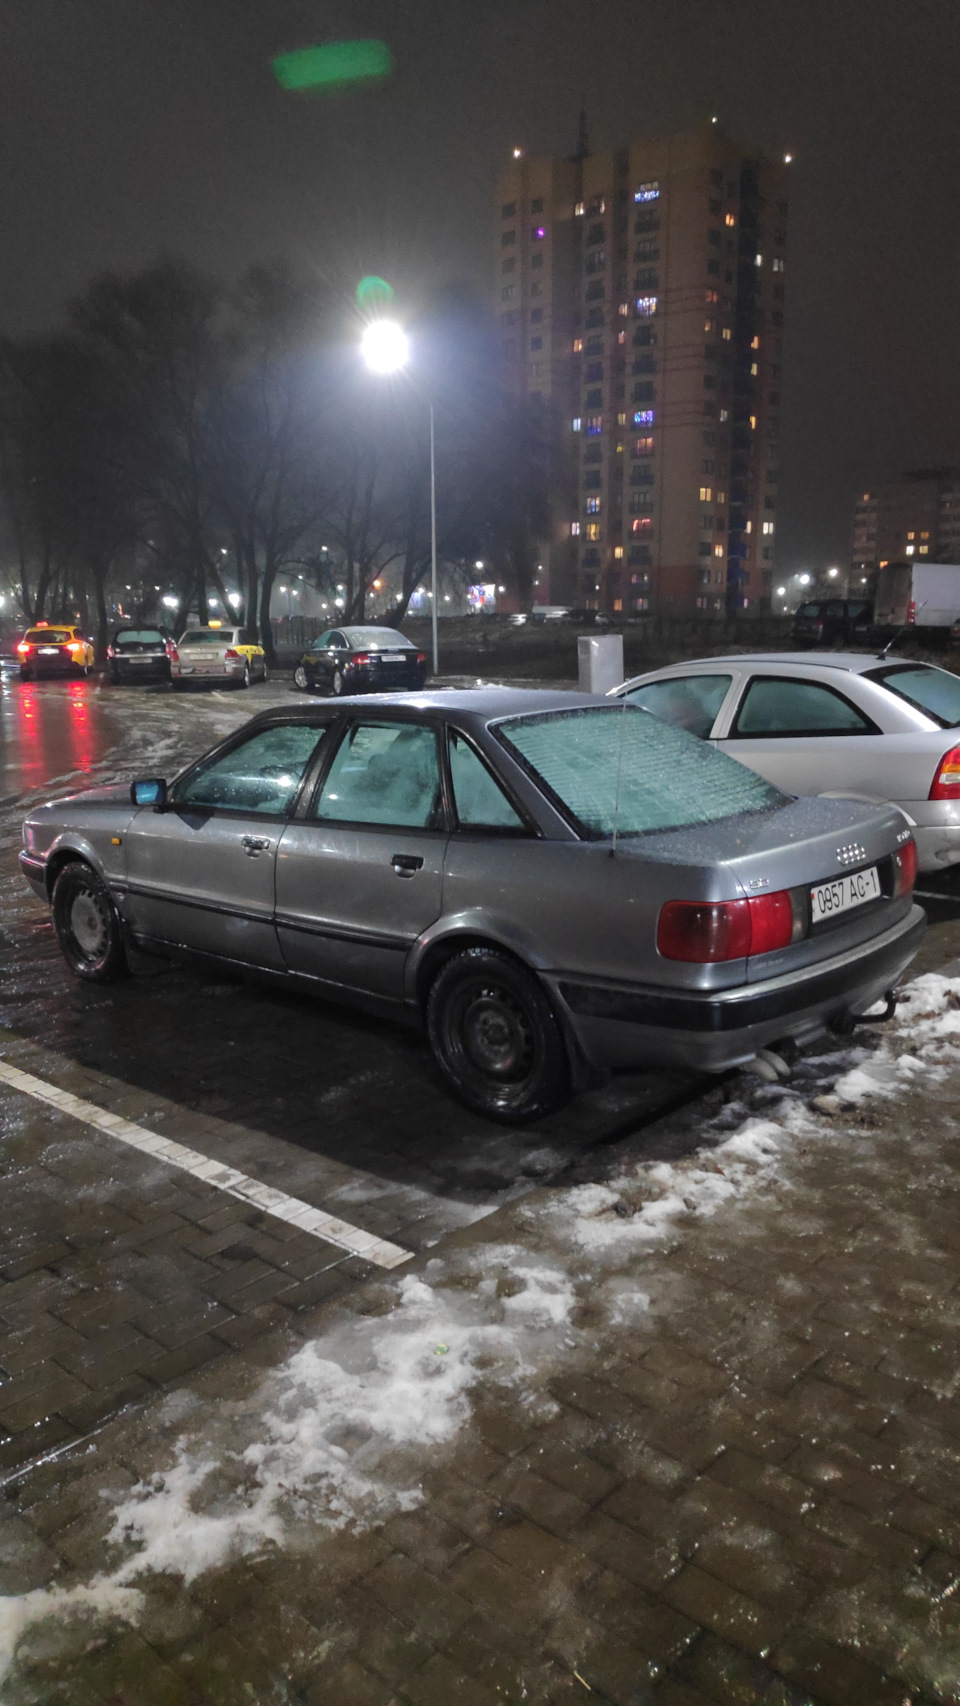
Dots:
{"x": 844, "y": 1024}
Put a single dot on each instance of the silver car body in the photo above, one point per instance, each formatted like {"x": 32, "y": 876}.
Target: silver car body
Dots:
{"x": 897, "y": 760}
{"x": 203, "y": 655}
{"x": 369, "y": 911}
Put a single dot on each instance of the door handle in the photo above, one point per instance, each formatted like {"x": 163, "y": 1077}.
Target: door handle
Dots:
{"x": 406, "y": 863}
{"x": 254, "y": 844}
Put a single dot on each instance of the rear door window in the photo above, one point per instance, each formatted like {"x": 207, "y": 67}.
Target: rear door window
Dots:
{"x": 480, "y": 801}
{"x": 384, "y": 773}
{"x": 777, "y": 706}
{"x": 689, "y": 702}
{"x": 262, "y": 774}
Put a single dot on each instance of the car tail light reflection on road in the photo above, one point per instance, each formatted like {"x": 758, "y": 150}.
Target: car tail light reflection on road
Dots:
{"x": 707, "y": 931}
{"x": 904, "y": 869}
{"x": 946, "y": 783}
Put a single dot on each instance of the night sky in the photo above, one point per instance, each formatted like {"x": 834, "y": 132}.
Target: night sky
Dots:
{"x": 135, "y": 128}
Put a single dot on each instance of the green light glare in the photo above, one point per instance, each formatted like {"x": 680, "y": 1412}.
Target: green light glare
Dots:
{"x": 373, "y": 292}
{"x": 337, "y": 65}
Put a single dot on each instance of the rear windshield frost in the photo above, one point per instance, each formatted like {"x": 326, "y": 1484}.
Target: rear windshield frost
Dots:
{"x": 622, "y": 768}
{"x": 209, "y": 637}
{"x": 934, "y": 691}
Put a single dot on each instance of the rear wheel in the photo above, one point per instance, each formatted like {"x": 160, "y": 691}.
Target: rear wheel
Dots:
{"x": 336, "y": 684}
{"x": 246, "y": 676}
{"x": 299, "y": 678}
{"x": 88, "y": 926}
{"x": 496, "y": 1038}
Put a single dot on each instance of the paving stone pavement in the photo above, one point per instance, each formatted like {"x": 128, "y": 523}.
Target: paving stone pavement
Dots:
{"x": 749, "y": 1492}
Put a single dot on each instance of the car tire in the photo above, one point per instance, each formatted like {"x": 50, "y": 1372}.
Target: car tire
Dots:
{"x": 246, "y": 676}
{"x": 113, "y": 677}
{"x": 88, "y": 926}
{"x": 336, "y": 685}
{"x": 25, "y": 673}
{"x": 300, "y": 678}
{"x": 496, "y": 1037}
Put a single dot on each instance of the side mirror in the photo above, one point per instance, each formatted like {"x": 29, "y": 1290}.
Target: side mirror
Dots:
{"x": 151, "y": 791}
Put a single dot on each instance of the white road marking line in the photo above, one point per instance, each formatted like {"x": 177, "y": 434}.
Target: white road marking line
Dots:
{"x": 215, "y": 1173}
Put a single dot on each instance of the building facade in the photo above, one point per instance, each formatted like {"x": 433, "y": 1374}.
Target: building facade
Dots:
{"x": 915, "y": 516}
{"x": 640, "y": 297}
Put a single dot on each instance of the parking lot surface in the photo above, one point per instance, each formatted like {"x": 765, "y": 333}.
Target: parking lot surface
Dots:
{"x": 314, "y": 1387}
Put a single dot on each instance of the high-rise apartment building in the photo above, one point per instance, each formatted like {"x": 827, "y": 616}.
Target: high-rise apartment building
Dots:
{"x": 640, "y": 296}
{"x": 915, "y": 516}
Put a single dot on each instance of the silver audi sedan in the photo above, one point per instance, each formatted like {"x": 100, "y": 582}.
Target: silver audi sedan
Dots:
{"x": 844, "y": 723}
{"x": 555, "y": 885}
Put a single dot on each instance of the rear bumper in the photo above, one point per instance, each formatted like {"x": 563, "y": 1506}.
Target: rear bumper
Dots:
{"x": 627, "y": 1026}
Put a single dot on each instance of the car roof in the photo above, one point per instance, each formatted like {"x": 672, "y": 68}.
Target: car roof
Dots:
{"x": 479, "y": 705}
{"x": 853, "y": 662}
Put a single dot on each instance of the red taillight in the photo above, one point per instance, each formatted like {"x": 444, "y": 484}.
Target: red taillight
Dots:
{"x": 421, "y": 657}
{"x": 946, "y": 782}
{"x": 74, "y": 646}
{"x": 904, "y": 869}
{"x": 231, "y": 655}
{"x": 706, "y": 931}
{"x": 911, "y": 611}
{"x": 111, "y": 652}
{"x": 172, "y": 652}
{"x": 24, "y": 646}
{"x": 360, "y": 657}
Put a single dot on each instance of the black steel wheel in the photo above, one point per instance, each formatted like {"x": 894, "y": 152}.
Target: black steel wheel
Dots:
{"x": 496, "y": 1037}
{"x": 299, "y": 678}
{"x": 88, "y": 926}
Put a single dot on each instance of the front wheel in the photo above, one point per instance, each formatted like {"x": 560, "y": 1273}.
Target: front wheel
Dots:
{"x": 88, "y": 926}
{"x": 299, "y": 678}
{"x": 496, "y": 1038}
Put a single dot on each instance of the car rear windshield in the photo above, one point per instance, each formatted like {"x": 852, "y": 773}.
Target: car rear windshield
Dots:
{"x": 139, "y": 637}
{"x": 49, "y": 636}
{"x": 208, "y": 637}
{"x": 621, "y": 769}
{"x": 934, "y": 691}
{"x": 376, "y": 639}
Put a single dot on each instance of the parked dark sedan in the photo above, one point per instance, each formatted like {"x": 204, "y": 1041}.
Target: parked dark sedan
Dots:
{"x": 140, "y": 654}
{"x": 361, "y": 660}
{"x": 832, "y": 622}
{"x": 553, "y": 884}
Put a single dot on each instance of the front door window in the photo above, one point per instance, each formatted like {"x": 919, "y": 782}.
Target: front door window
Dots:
{"x": 263, "y": 774}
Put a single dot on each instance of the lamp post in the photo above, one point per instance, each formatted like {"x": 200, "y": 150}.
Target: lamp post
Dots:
{"x": 386, "y": 349}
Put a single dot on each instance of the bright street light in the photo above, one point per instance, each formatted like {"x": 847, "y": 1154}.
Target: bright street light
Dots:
{"x": 385, "y": 346}
{"x": 386, "y": 349}
{"x": 804, "y": 580}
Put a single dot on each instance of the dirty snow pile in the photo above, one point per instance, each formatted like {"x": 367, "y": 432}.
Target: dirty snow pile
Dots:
{"x": 335, "y": 1438}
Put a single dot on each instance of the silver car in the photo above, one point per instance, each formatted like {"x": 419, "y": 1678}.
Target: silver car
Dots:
{"x": 555, "y": 885}
{"x": 850, "y": 724}
{"x": 217, "y": 653}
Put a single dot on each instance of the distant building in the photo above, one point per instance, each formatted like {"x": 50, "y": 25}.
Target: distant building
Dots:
{"x": 640, "y": 296}
{"x": 915, "y": 516}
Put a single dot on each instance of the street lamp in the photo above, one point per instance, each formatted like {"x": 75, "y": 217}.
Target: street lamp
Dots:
{"x": 386, "y": 349}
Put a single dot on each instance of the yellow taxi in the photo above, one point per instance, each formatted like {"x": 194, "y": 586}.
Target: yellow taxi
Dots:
{"x": 54, "y": 648}
{"x": 218, "y": 653}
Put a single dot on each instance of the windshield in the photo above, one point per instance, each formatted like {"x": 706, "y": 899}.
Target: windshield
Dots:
{"x": 376, "y": 639}
{"x": 619, "y": 768}
{"x": 934, "y": 691}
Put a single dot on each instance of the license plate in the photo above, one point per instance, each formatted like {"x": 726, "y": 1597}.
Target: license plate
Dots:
{"x": 391, "y": 657}
{"x": 49, "y": 651}
{"x": 853, "y": 889}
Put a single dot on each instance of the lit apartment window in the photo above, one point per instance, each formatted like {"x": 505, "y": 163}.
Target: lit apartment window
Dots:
{"x": 618, "y": 604}
{"x": 624, "y": 309}
{"x": 594, "y": 425}
{"x": 593, "y": 530}
{"x": 778, "y": 263}
{"x": 753, "y": 423}
{"x": 926, "y": 533}
{"x": 643, "y": 447}
{"x": 758, "y": 260}
{"x": 646, "y": 305}
{"x": 578, "y": 210}
{"x": 643, "y": 417}
{"x": 706, "y": 494}
{"x": 748, "y": 527}
{"x": 593, "y": 505}
{"x": 767, "y": 527}
{"x": 718, "y": 550}
{"x": 910, "y": 550}
{"x": 709, "y": 325}
{"x": 577, "y": 345}
{"x": 726, "y": 334}
{"x": 712, "y": 296}
{"x": 622, "y": 336}
{"x": 730, "y": 219}
{"x": 574, "y": 529}
{"x": 575, "y": 424}
{"x": 721, "y": 497}
{"x": 724, "y": 414}
{"x": 923, "y": 551}
{"x": 618, "y": 552}
{"x": 754, "y": 369}
{"x": 647, "y": 192}
{"x": 911, "y": 535}
{"x": 754, "y": 343}
{"x": 642, "y": 524}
